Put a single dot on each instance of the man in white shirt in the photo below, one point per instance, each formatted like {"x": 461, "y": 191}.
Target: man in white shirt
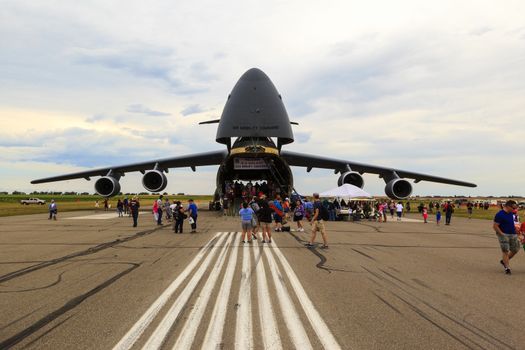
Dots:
{"x": 159, "y": 205}
{"x": 399, "y": 210}
{"x": 52, "y": 210}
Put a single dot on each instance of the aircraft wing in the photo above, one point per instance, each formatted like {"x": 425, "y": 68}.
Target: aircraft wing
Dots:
{"x": 192, "y": 161}
{"x": 312, "y": 161}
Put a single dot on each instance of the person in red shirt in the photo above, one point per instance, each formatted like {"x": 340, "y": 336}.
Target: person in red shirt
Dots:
{"x": 425, "y": 213}
{"x": 521, "y": 235}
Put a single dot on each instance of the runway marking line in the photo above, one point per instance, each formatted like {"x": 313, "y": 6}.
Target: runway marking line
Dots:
{"x": 243, "y": 325}
{"x": 213, "y": 338}
{"x": 321, "y": 329}
{"x": 156, "y": 339}
{"x": 270, "y": 332}
{"x": 291, "y": 317}
{"x": 103, "y": 216}
{"x": 138, "y": 328}
{"x": 189, "y": 330}
{"x": 224, "y": 242}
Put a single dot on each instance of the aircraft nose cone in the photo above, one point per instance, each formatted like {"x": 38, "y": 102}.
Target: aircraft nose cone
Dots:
{"x": 254, "y": 74}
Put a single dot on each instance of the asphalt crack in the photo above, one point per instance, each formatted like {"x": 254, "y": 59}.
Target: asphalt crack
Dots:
{"x": 68, "y": 306}
{"x": 89, "y": 251}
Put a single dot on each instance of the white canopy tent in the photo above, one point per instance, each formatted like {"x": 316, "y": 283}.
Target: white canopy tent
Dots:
{"x": 346, "y": 191}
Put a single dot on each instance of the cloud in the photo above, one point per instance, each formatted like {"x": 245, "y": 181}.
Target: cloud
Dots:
{"x": 192, "y": 109}
{"x": 83, "y": 147}
{"x": 95, "y": 118}
{"x": 435, "y": 89}
{"x": 149, "y": 62}
{"x": 138, "y": 108}
{"x": 302, "y": 137}
{"x": 481, "y": 31}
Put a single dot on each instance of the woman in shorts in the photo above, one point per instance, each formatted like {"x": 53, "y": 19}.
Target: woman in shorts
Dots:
{"x": 246, "y": 215}
{"x": 298, "y": 215}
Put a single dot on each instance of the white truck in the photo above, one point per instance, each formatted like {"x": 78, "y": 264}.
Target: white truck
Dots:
{"x": 32, "y": 201}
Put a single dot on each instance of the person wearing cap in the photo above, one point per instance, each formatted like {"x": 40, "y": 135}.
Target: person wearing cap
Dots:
{"x": 52, "y": 210}
{"x": 506, "y": 232}
{"x": 134, "y": 206}
{"x": 317, "y": 223}
{"x": 286, "y": 208}
{"x": 449, "y": 209}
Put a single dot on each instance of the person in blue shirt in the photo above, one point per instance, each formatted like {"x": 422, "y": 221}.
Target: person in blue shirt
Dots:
{"x": 438, "y": 216}
{"x": 309, "y": 209}
{"x": 246, "y": 215}
{"x": 506, "y": 232}
{"x": 192, "y": 213}
{"x": 317, "y": 223}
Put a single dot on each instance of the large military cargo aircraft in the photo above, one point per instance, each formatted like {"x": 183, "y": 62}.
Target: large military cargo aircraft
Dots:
{"x": 255, "y": 119}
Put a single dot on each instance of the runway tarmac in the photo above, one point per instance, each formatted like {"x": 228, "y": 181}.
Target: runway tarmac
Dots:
{"x": 95, "y": 282}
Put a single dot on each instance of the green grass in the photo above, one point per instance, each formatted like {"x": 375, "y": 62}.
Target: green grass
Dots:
{"x": 476, "y": 213}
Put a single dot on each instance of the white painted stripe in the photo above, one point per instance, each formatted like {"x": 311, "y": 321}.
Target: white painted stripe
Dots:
{"x": 291, "y": 317}
{"x": 244, "y": 328}
{"x": 138, "y": 328}
{"x": 270, "y": 332}
{"x": 156, "y": 340}
{"x": 213, "y": 338}
{"x": 321, "y": 329}
{"x": 103, "y": 216}
{"x": 187, "y": 335}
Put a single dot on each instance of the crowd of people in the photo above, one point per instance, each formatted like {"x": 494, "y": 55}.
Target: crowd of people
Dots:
{"x": 244, "y": 191}
{"x": 259, "y": 213}
{"x": 162, "y": 209}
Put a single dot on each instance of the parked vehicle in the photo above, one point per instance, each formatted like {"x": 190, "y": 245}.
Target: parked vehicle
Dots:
{"x": 33, "y": 201}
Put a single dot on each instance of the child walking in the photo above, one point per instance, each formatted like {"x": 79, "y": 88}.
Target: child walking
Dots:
{"x": 438, "y": 217}
{"x": 425, "y": 213}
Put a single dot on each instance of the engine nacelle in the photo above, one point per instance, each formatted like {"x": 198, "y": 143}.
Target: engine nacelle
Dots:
{"x": 154, "y": 181}
{"x": 352, "y": 178}
{"x": 107, "y": 186}
{"x": 398, "y": 189}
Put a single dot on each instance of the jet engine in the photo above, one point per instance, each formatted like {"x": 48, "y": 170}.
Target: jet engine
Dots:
{"x": 107, "y": 186}
{"x": 352, "y": 178}
{"x": 154, "y": 181}
{"x": 398, "y": 189}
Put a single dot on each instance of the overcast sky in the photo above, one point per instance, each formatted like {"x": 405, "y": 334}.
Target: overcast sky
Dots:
{"x": 435, "y": 87}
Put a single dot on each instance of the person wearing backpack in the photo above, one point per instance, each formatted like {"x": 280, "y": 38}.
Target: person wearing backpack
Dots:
{"x": 277, "y": 207}
{"x": 449, "y": 209}
{"x": 319, "y": 217}
{"x": 179, "y": 216}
